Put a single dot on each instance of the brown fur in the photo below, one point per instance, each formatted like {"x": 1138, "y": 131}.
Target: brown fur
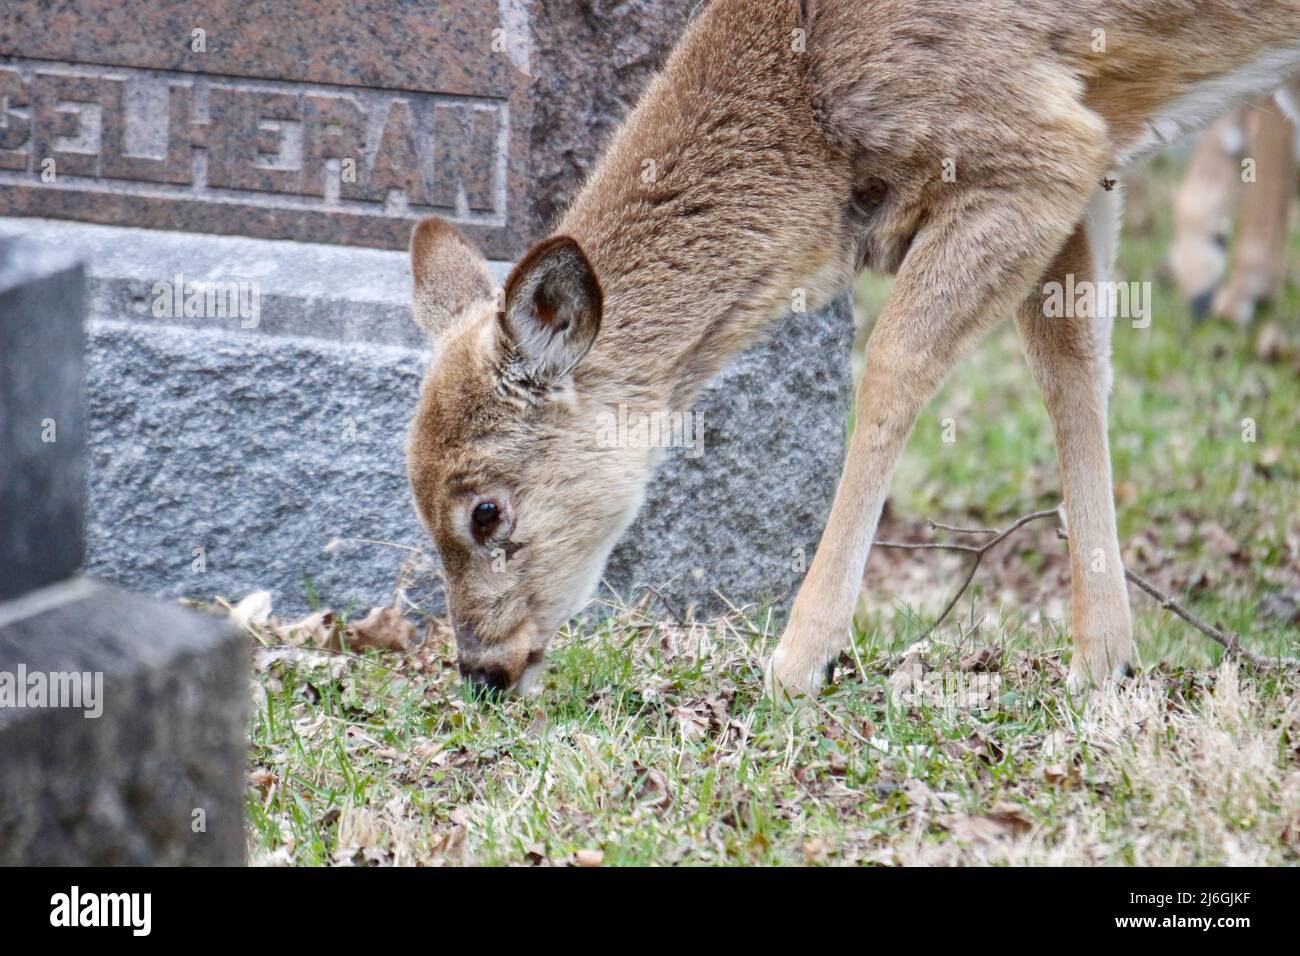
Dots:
{"x": 753, "y": 169}
{"x": 1214, "y": 195}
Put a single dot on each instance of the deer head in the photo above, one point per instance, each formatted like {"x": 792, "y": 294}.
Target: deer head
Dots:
{"x": 523, "y": 500}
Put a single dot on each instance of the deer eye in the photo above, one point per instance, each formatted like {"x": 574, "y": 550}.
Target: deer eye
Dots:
{"x": 485, "y": 518}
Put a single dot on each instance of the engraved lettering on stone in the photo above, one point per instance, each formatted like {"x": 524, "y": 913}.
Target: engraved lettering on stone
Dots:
{"x": 272, "y": 143}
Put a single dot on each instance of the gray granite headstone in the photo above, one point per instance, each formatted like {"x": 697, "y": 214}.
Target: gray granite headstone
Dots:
{"x": 42, "y": 424}
{"x": 146, "y": 764}
{"x": 122, "y": 720}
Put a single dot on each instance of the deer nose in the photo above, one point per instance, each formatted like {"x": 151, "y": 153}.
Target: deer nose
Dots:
{"x": 486, "y": 678}
{"x": 479, "y": 676}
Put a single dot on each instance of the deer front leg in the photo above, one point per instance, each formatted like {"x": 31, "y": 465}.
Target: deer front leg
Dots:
{"x": 969, "y": 266}
{"x": 891, "y": 395}
{"x": 1070, "y": 358}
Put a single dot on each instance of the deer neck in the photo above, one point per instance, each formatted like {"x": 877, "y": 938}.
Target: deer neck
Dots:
{"x": 719, "y": 207}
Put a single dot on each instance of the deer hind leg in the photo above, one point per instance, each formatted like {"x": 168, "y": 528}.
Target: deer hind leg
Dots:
{"x": 1204, "y": 210}
{"x": 1258, "y": 261}
{"x": 1070, "y": 358}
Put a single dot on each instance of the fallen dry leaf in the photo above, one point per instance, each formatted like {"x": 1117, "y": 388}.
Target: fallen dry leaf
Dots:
{"x": 254, "y": 610}
{"x": 261, "y": 779}
{"x": 1003, "y": 821}
{"x": 695, "y": 717}
{"x": 384, "y": 628}
{"x": 815, "y": 851}
{"x": 535, "y": 853}
{"x": 315, "y": 630}
{"x": 654, "y": 788}
{"x": 1057, "y": 773}
{"x": 909, "y": 673}
{"x": 985, "y": 659}
{"x": 702, "y": 714}
{"x": 450, "y": 845}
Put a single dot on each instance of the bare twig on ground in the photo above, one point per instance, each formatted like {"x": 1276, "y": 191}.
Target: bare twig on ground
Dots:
{"x": 681, "y": 621}
{"x": 977, "y": 550}
{"x": 1231, "y": 643}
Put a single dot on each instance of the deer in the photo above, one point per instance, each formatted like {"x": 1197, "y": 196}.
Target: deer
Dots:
{"x": 969, "y": 147}
{"x": 1243, "y": 171}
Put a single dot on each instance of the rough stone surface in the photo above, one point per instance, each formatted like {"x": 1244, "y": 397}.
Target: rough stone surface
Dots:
{"x": 741, "y": 522}
{"x": 261, "y": 457}
{"x": 315, "y": 290}
{"x": 123, "y": 788}
{"x": 223, "y": 464}
{"x": 42, "y": 437}
{"x": 591, "y": 60}
{"x": 225, "y": 460}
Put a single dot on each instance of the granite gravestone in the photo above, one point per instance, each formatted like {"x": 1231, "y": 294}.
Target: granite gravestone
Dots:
{"x": 122, "y": 720}
{"x": 261, "y": 445}
{"x": 42, "y": 478}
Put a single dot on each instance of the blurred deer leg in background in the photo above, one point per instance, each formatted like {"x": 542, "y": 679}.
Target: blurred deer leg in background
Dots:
{"x": 1259, "y": 253}
{"x": 1204, "y": 210}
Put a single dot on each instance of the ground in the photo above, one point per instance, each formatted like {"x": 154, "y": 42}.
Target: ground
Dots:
{"x": 651, "y": 742}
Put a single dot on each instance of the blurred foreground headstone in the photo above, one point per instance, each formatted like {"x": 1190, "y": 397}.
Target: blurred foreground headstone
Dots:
{"x": 122, "y": 720}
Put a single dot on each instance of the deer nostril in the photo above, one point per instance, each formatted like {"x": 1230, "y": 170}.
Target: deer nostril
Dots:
{"x": 487, "y": 678}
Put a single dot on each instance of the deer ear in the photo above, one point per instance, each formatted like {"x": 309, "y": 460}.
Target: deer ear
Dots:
{"x": 450, "y": 275}
{"x": 551, "y": 310}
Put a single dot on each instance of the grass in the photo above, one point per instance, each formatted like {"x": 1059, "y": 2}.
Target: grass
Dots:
{"x": 651, "y": 743}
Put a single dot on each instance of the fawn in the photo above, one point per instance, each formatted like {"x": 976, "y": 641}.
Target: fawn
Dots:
{"x": 966, "y": 145}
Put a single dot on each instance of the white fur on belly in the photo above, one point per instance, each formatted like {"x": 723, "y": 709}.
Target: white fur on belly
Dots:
{"x": 1211, "y": 98}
